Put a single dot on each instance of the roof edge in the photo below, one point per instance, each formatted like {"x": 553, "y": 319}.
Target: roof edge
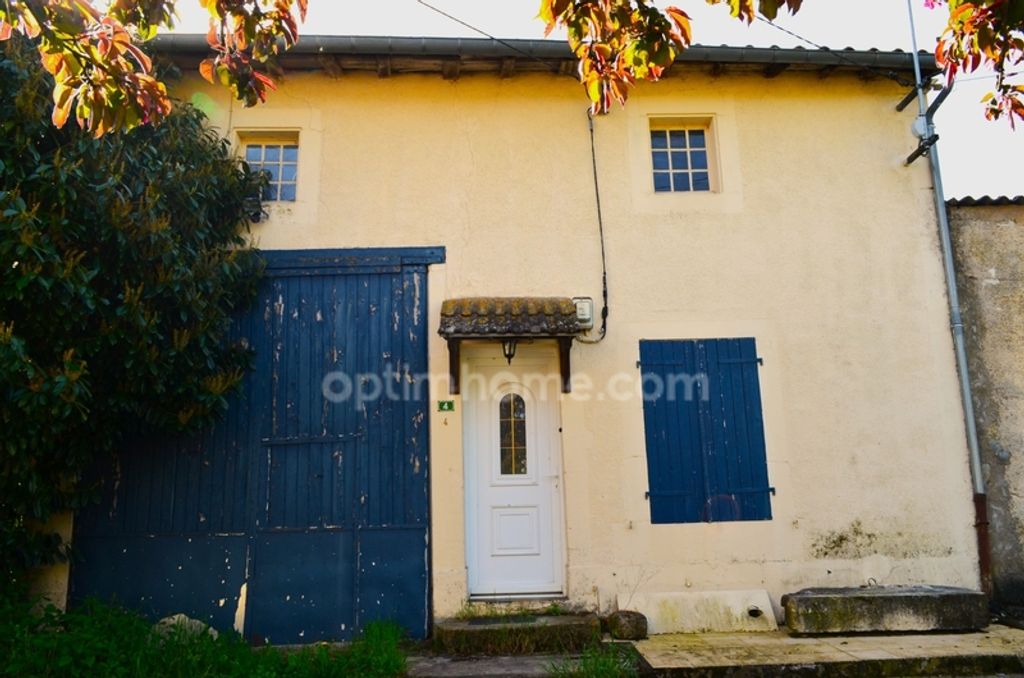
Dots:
{"x": 486, "y": 48}
{"x": 986, "y": 201}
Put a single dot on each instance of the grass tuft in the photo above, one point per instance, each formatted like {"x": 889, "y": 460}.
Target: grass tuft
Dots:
{"x": 103, "y": 640}
{"x": 604, "y": 661}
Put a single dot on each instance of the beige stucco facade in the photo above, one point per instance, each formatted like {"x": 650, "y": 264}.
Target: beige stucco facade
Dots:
{"x": 818, "y": 242}
{"x": 989, "y": 247}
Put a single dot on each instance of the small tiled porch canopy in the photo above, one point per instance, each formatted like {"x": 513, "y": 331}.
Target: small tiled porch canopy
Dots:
{"x": 509, "y": 319}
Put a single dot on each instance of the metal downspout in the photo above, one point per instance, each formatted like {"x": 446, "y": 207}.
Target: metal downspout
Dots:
{"x": 956, "y": 324}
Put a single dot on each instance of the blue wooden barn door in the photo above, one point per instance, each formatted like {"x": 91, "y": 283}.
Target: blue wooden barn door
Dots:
{"x": 304, "y": 514}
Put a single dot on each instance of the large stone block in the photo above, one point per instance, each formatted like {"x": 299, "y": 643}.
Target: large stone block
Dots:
{"x": 883, "y": 609}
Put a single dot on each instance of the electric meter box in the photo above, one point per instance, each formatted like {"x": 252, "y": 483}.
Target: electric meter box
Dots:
{"x": 584, "y": 312}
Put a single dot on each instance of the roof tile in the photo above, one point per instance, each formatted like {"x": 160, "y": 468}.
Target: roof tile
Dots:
{"x": 986, "y": 200}
{"x": 470, "y": 317}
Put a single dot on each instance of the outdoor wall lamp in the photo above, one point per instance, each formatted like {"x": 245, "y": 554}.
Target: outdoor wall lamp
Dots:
{"x": 508, "y": 349}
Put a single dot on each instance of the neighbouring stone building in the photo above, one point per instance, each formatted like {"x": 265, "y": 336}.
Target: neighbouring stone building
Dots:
{"x": 988, "y": 243}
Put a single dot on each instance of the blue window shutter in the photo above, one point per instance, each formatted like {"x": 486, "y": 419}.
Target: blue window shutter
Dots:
{"x": 705, "y": 453}
{"x": 738, "y": 479}
{"x": 675, "y": 471}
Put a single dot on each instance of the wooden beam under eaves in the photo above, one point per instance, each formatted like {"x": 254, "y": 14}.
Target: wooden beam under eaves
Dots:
{"x": 716, "y": 70}
{"x": 567, "y": 67}
{"x": 564, "y": 350}
{"x": 451, "y": 69}
{"x": 454, "y": 365}
{"x": 827, "y": 71}
{"x": 330, "y": 65}
{"x": 384, "y": 67}
{"x": 508, "y": 67}
{"x": 774, "y": 70}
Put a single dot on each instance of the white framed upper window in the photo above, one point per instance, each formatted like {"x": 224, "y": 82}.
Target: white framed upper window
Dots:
{"x": 682, "y": 158}
{"x": 279, "y": 158}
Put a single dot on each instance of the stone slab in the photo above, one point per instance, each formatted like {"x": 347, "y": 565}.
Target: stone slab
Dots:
{"x": 999, "y": 650}
{"x": 885, "y": 609}
{"x": 703, "y": 611}
{"x": 464, "y": 667}
{"x": 517, "y": 634}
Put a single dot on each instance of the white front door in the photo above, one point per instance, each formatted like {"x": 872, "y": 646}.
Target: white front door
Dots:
{"x": 514, "y": 540}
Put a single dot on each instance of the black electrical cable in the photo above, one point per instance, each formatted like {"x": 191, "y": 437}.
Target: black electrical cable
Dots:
{"x": 892, "y": 75}
{"x": 484, "y": 33}
{"x": 600, "y": 229}
{"x": 593, "y": 160}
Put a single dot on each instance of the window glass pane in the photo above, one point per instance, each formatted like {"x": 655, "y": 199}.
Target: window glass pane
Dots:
{"x": 679, "y": 160}
{"x": 701, "y": 182}
{"x": 677, "y": 138}
{"x": 661, "y": 182}
{"x": 280, "y": 164}
{"x": 512, "y": 435}
{"x": 660, "y": 160}
{"x": 680, "y": 181}
{"x": 699, "y": 159}
{"x": 697, "y": 138}
{"x": 659, "y": 139}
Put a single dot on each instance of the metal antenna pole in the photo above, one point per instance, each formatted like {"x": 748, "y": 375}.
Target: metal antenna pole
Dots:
{"x": 925, "y": 126}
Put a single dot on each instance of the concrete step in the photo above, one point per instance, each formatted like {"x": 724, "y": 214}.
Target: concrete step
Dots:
{"x": 520, "y": 634}
{"x": 532, "y": 666}
{"x": 885, "y": 609}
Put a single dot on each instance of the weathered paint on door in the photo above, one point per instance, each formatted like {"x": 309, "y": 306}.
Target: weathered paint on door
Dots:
{"x": 300, "y": 517}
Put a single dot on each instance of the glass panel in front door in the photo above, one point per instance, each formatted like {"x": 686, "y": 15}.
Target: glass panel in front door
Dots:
{"x": 512, "y": 430}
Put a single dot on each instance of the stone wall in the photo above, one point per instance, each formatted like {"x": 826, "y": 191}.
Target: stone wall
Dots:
{"x": 989, "y": 250}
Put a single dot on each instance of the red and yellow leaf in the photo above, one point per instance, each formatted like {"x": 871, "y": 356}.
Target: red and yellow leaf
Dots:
{"x": 206, "y": 69}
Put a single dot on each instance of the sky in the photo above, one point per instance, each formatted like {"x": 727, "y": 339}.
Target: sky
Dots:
{"x": 977, "y": 155}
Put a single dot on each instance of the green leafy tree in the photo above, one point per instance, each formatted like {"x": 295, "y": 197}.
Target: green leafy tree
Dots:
{"x": 122, "y": 260}
{"x": 103, "y": 77}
